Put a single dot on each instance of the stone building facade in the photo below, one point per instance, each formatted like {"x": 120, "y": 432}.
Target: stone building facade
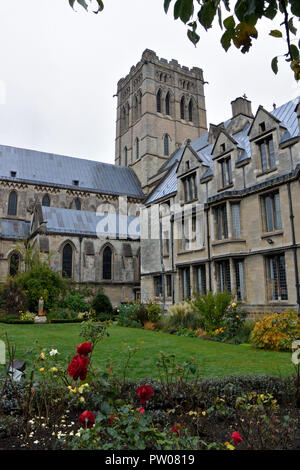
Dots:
{"x": 227, "y": 213}
{"x": 184, "y": 209}
{"x": 79, "y": 214}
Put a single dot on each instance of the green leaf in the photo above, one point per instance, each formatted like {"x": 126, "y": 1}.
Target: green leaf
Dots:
{"x": 183, "y": 9}
{"x": 206, "y": 14}
{"x": 220, "y": 17}
{"x": 193, "y": 36}
{"x": 275, "y": 33}
{"x": 226, "y": 40}
{"x": 294, "y": 52}
{"x": 71, "y": 2}
{"x": 274, "y": 65}
{"x": 166, "y": 5}
{"x": 229, "y": 23}
{"x": 226, "y": 4}
{"x": 272, "y": 9}
{"x": 291, "y": 26}
{"x": 295, "y": 7}
{"x": 83, "y": 4}
{"x": 100, "y": 5}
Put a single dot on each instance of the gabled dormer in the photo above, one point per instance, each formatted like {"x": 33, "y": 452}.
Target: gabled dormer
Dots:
{"x": 187, "y": 174}
{"x": 224, "y": 154}
{"x": 264, "y": 135}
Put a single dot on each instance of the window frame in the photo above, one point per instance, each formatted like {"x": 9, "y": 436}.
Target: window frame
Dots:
{"x": 280, "y": 284}
{"x": 271, "y": 215}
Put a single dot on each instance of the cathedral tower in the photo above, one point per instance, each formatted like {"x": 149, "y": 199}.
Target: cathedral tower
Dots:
{"x": 160, "y": 105}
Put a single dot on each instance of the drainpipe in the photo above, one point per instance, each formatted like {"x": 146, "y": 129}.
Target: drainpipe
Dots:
{"x": 208, "y": 250}
{"x": 172, "y": 257}
{"x": 162, "y": 265}
{"x": 294, "y": 246}
{"x": 80, "y": 251}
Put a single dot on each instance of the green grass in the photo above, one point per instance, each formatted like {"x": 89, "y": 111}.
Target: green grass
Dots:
{"x": 215, "y": 359}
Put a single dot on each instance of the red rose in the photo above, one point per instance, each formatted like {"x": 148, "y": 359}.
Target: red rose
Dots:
{"x": 141, "y": 410}
{"x": 87, "y": 418}
{"x": 236, "y": 437}
{"x": 177, "y": 428}
{"x": 85, "y": 348}
{"x": 112, "y": 417}
{"x": 144, "y": 392}
{"x": 78, "y": 367}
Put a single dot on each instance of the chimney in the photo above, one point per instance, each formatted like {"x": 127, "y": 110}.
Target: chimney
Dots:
{"x": 241, "y": 106}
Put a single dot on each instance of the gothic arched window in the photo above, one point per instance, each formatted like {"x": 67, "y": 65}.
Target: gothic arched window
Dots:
{"x": 46, "y": 201}
{"x": 125, "y": 156}
{"x": 78, "y": 204}
{"x": 166, "y": 145}
{"x": 107, "y": 263}
{"x": 168, "y": 104}
{"x": 137, "y": 148}
{"x": 158, "y": 101}
{"x": 191, "y": 111}
{"x": 182, "y": 108}
{"x": 12, "y": 203}
{"x": 67, "y": 261}
{"x": 14, "y": 264}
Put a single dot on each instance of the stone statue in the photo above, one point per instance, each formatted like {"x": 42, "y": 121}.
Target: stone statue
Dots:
{"x": 41, "y": 307}
{"x": 41, "y": 316}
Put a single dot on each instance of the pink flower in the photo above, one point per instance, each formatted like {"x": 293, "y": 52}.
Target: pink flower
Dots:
{"x": 236, "y": 437}
{"x": 141, "y": 410}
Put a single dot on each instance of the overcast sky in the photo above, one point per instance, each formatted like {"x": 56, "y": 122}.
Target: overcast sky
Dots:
{"x": 59, "y": 70}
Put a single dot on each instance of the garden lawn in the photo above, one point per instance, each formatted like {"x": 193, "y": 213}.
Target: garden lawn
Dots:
{"x": 215, "y": 359}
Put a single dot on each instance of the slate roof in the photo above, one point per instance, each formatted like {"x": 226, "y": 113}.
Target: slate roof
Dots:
{"x": 14, "y": 229}
{"x": 59, "y": 170}
{"x": 285, "y": 114}
{"x": 90, "y": 223}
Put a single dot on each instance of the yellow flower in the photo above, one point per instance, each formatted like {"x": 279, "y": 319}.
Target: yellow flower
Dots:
{"x": 229, "y": 446}
{"x": 237, "y": 316}
{"x": 42, "y": 356}
{"x": 80, "y": 389}
{"x": 69, "y": 387}
{"x": 81, "y": 399}
{"x": 191, "y": 413}
{"x": 233, "y": 304}
{"x": 204, "y": 413}
{"x": 42, "y": 369}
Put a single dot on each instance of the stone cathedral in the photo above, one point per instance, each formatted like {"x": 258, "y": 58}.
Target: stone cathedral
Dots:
{"x": 186, "y": 208}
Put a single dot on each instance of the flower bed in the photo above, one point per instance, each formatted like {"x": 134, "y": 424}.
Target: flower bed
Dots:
{"x": 76, "y": 406}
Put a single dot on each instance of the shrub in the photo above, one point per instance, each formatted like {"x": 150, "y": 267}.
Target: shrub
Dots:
{"x": 234, "y": 320}
{"x": 276, "y": 331}
{"x": 140, "y": 313}
{"x": 13, "y": 298}
{"x": 62, "y": 314}
{"x": 101, "y": 304}
{"x": 75, "y": 301}
{"x": 127, "y": 316}
{"x": 27, "y": 316}
{"x": 182, "y": 315}
{"x": 41, "y": 281}
{"x": 211, "y": 309}
{"x": 154, "y": 312}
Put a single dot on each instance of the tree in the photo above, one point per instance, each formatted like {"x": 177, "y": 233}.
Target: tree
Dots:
{"x": 240, "y": 26}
